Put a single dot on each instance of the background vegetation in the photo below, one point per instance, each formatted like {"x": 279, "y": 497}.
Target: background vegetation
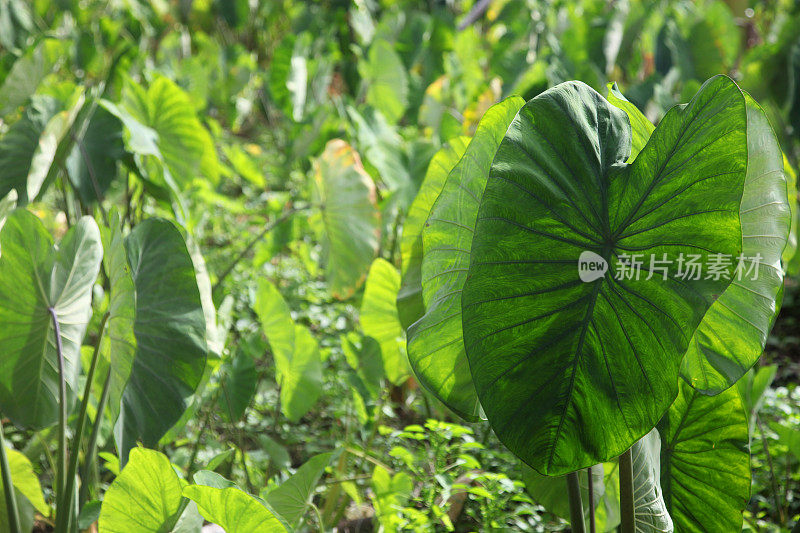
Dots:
{"x": 287, "y": 141}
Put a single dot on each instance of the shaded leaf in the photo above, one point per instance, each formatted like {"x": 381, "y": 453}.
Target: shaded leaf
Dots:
{"x": 170, "y": 335}
{"x": 291, "y": 498}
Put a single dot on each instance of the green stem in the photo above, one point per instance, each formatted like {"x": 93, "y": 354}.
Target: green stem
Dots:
{"x": 592, "y": 525}
{"x": 62, "y": 422}
{"x": 627, "y": 510}
{"x": 8, "y": 488}
{"x": 575, "y": 503}
{"x": 63, "y": 518}
{"x": 89, "y": 477}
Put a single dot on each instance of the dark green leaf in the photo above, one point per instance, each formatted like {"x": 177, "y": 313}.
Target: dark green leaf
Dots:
{"x": 292, "y": 497}
{"x": 170, "y": 335}
{"x": 572, "y": 373}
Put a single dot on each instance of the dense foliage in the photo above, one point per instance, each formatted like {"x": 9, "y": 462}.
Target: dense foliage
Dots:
{"x": 305, "y": 266}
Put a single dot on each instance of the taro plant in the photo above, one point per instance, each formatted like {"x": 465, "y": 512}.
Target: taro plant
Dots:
{"x": 146, "y": 360}
{"x": 589, "y": 279}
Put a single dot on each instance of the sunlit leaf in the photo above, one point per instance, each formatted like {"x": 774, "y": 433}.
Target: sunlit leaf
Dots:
{"x": 298, "y": 366}
{"x": 34, "y": 277}
{"x": 145, "y": 496}
{"x": 435, "y": 346}
{"x": 705, "y": 461}
{"x": 379, "y": 318}
{"x": 350, "y": 217}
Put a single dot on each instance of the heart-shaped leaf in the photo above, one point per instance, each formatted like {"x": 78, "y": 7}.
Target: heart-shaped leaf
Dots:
{"x": 170, "y": 333}
{"x": 145, "y": 496}
{"x": 28, "y": 149}
{"x": 705, "y": 461}
{"x": 34, "y": 277}
{"x": 350, "y": 217}
{"x": 435, "y": 346}
{"x": 234, "y": 509}
{"x": 387, "y": 80}
{"x": 572, "y": 373}
{"x": 291, "y": 498}
{"x": 161, "y": 122}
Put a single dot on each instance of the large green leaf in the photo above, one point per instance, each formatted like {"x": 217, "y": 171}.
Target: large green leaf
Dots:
{"x": 170, "y": 335}
{"x": 28, "y": 149}
{"x": 349, "y": 215}
{"x": 410, "y": 304}
{"x": 144, "y": 497}
{"x": 92, "y": 163}
{"x": 435, "y": 347}
{"x": 705, "y": 461}
{"x": 161, "y": 122}
{"x": 379, "y": 318}
{"x": 28, "y": 72}
{"x": 298, "y": 367}
{"x": 572, "y": 373}
{"x": 716, "y": 359}
{"x": 233, "y": 509}
{"x": 291, "y": 498}
{"x": 387, "y": 80}
{"x": 27, "y": 489}
{"x": 34, "y": 277}
{"x": 118, "y": 345}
